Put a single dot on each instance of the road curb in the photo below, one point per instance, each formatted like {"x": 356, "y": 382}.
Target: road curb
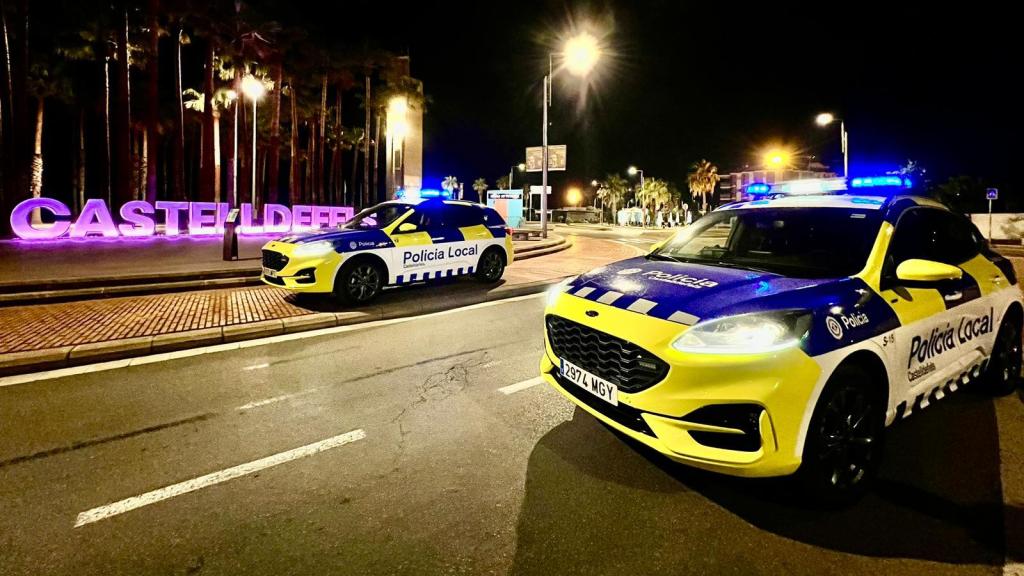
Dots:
{"x": 119, "y": 349}
{"x": 142, "y": 284}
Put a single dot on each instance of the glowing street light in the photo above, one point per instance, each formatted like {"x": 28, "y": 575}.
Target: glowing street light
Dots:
{"x": 580, "y": 55}
{"x": 777, "y": 159}
{"x": 826, "y": 118}
{"x": 253, "y": 89}
{"x": 573, "y": 195}
{"x": 594, "y": 183}
{"x": 521, "y": 167}
{"x": 633, "y": 171}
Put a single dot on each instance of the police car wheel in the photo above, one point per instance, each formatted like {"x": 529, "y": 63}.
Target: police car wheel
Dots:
{"x": 359, "y": 282}
{"x": 491, "y": 267}
{"x": 1002, "y": 375}
{"x": 844, "y": 439}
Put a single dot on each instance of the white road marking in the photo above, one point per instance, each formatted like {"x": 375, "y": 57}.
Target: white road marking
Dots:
{"x": 273, "y": 399}
{"x": 129, "y": 504}
{"x": 188, "y": 353}
{"x": 257, "y": 366}
{"x": 520, "y": 386}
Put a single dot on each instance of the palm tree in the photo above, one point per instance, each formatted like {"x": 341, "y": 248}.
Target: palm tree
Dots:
{"x": 616, "y": 187}
{"x": 502, "y": 183}
{"x": 480, "y": 185}
{"x": 702, "y": 179}
{"x": 654, "y": 193}
{"x": 450, "y": 183}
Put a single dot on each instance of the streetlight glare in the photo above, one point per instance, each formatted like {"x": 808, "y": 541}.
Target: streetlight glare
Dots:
{"x": 632, "y": 170}
{"x": 522, "y": 166}
{"x": 776, "y": 158}
{"x": 594, "y": 183}
{"x": 573, "y": 195}
{"x": 253, "y": 88}
{"x": 824, "y": 119}
{"x": 581, "y": 54}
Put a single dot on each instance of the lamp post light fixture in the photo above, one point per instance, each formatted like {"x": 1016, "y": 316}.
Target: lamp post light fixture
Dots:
{"x": 633, "y": 171}
{"x": 580, "y": 55}
{"x": 253, "y": 89}
{"x": 826, "y": 118}
{"x": 777, "y": 159}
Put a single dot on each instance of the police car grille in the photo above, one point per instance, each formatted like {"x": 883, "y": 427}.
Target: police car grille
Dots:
{"x": 622, "y": 363}
{"x": 274, "y": 260}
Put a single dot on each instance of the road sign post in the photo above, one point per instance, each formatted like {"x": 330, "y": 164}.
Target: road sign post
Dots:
{"x": 991, "y": 194}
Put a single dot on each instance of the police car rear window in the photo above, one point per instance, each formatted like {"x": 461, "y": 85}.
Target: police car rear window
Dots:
{"x": 798, "y": 242}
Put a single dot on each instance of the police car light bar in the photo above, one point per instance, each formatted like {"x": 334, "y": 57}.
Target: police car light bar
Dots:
{"x": 880, "y": 181}
{"x": 758, "y": 189}
{"x": 435, "y": 194}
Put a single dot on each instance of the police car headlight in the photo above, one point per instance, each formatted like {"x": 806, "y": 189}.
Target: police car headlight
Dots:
{"x": 746, "y": 333}
{"x": 314, "y": 249}
{"x": 557, "y": 289}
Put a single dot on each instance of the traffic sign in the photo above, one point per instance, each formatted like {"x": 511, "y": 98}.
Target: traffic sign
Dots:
{"x": 992, "y": 193}
{"x": 535, "y": 158}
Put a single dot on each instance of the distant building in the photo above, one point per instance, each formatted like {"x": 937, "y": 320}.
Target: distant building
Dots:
{"x": 732, "y": 185}
{"x": 403, "y": 160}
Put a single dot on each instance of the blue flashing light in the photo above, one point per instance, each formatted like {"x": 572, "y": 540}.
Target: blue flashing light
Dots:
{"x": 880, "y": 181}
{"x": 429, "y": 193}
{"x": 759, "y": 189}
{"x": 872, "y": 201}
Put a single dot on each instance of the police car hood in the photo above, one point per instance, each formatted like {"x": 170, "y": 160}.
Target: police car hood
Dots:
{"x": 344, "y": 240}
{"x": 687, "y": 292}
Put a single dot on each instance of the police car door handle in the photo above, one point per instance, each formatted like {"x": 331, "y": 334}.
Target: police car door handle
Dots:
{"x": 953, "y": 295}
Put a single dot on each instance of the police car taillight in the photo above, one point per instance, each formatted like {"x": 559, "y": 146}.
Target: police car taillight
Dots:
{"x": 508, "y": 231}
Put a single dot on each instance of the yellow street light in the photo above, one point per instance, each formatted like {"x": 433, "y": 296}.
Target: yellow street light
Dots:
{"x": 398, "y": 125}
{"x": 581, "y": 53}
{"x": 632, "y": 170}
{"x": 777, "y": 158}
{"x": 573, "y": 195}
{"x": 253, "y": 88}
{"x": 824, "y": 119}
{"x": 522, "y": 166}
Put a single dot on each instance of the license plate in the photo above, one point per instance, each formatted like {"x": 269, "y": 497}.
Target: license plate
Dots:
{"x": 269, "y": 273}
{"x": 597, "y": 386}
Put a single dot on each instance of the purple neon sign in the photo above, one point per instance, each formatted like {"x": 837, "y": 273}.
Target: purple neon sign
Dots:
{"x": 138, "y": 218}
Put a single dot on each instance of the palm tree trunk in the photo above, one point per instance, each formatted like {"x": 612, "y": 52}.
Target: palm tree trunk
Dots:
{"x": 376, "y": 160}
{"x": 178, "y": 153}
{"x": 216, "y": 156}
{"x": 322, "y": 141}
{"x": 122, "y": 121}
{"x": 274, "y": 152}
{"x": 293, "y": 172}
{"x": 355, "y": 170}
{"x": 231, "y": 172}
{"x": 107, "y": 159}
{"x": 366, "y": 145}
{"x": 37, "y": 159}
{"x": 207, "y": 163}
{"x": 80, "y": 196}
{"x": 153, "y": 102}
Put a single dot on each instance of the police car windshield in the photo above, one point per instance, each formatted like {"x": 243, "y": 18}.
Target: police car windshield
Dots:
{"x": 376, "y": 217}
{"x": 797, "y": 242}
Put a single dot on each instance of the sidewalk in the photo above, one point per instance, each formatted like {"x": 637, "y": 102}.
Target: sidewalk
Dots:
{"x": 32, "y": 273}
{"x": 48, "y": 336}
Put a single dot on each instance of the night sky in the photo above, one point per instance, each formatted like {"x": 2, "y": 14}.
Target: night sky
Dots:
{"x": 686, "y": 80}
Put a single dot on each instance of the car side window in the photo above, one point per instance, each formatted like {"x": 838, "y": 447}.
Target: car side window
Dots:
{"x": 427, "y": 217}
{"x": 931, "y": 234}
{"x": 462, "y": 216}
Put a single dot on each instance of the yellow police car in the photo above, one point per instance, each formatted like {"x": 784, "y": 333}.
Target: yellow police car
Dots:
{"x": 393, "y": 243}
{"x": 782, "y": 335}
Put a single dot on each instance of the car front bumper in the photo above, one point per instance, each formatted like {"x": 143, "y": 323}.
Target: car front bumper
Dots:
{"x": 690, "y": 415}
{"x": 313, "y": 274}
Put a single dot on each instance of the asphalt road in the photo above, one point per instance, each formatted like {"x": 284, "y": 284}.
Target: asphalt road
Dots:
{"x": 416, "y": 462}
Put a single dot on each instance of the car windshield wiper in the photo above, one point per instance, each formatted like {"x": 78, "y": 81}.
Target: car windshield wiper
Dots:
{"x": 729, "y": 264}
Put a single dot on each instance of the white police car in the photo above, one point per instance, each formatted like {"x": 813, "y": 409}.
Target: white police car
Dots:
{"x": 782, "y": 335}
{"x": 393, "y": 243}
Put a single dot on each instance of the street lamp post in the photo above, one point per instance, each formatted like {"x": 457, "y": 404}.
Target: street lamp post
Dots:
{"x": 633, "y": 171}
{"x": 579, "y": 55}
{"x": 254, "y": 90}
{"x": 824, "y": 119}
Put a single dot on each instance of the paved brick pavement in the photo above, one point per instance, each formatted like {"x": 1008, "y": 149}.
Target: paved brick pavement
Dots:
{"x": 45, "y": 326}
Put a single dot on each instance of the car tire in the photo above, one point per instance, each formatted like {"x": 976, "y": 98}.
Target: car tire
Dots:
{"x": 1002, "y": 373}
{"x": 844, "y": 440}
{"x": 359, "y": 282}
{"x": 490, "y": 267}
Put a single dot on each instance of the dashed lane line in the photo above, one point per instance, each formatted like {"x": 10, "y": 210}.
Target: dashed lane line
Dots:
{"x": 520, "y": 386}
{"x": 167, "y": 492}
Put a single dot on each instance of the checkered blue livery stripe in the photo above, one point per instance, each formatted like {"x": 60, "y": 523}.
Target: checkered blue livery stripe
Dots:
{"x": 432, "y": 275}
{"x": 633, "y": 304}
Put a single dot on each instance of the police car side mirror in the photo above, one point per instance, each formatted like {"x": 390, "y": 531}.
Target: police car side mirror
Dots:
{"x": 407, "y": 227}
{"x": 916, "y": 271}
